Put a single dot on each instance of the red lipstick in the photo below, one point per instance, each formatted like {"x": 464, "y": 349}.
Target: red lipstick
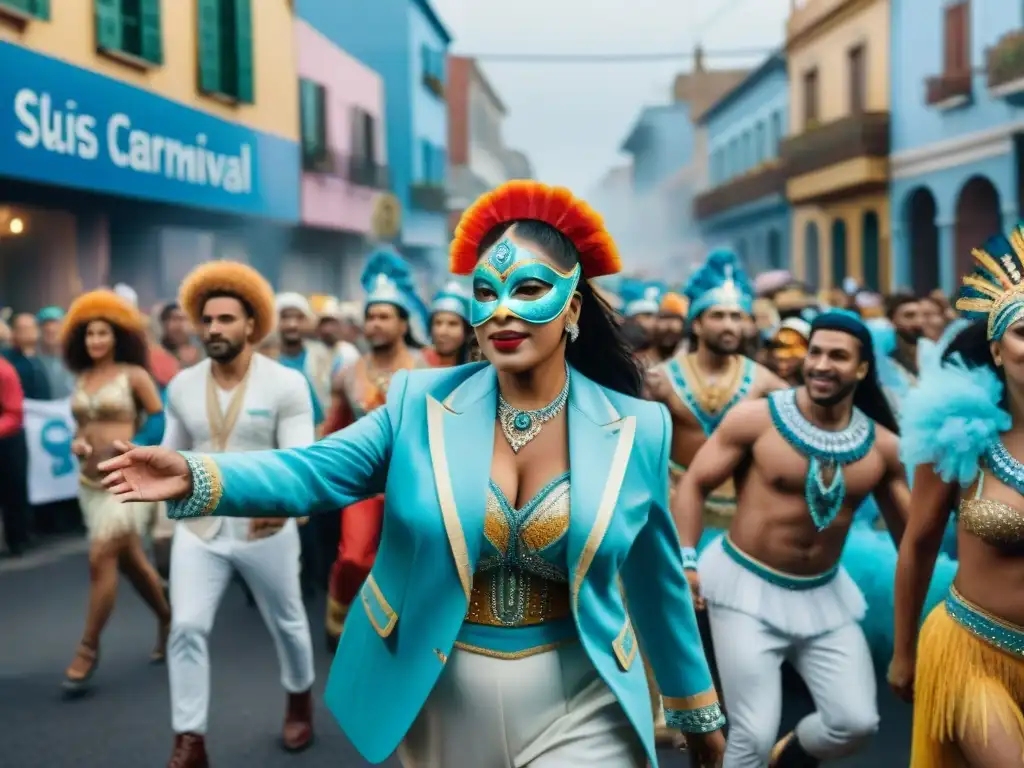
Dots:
{"x": 507, "y": 341}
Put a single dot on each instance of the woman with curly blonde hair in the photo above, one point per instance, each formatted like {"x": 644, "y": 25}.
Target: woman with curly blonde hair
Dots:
{"x": 105, "y": 347}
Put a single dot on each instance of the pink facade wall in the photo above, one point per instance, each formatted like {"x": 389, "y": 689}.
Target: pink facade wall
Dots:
{"x": 329, "y": 200}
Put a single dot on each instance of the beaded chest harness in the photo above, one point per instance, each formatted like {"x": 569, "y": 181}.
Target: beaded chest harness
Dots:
{"x": 828, "y": 452}
{"x": 708, "y": 403}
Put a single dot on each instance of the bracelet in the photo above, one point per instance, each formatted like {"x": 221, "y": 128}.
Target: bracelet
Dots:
{"x": 689, "y": 559}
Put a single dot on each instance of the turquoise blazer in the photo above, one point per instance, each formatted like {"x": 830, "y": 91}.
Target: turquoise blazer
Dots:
{"x": 429, "y": 451}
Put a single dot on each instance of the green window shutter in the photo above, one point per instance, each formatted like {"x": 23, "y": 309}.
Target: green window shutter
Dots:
{"x": 152, "y": 32}
{"x": 25, "y": 6}
{"x": 209, "y": 46}
{"x": 109, "y": 25}
{"x": 428, "y": 159}
{"x": 42, "y": 10}
{"x": 244, "y": 89}
{"x": 307, "y": 115}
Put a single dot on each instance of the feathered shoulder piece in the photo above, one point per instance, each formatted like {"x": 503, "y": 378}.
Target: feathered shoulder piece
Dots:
{"x": 950, "y": 418}
{"x": 556, "y": 206}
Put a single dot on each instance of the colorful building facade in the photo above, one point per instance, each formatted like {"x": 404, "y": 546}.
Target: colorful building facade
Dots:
{"x": 407, "y": 44}
{"x": 344, "y": 165}
{"x": 744, "y": 207}
{"x": 135, "y": 145}
{"x": 957, "y": 122}
{"x": 836, "y": 156}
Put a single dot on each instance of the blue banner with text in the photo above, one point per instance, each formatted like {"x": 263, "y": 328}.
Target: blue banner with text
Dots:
{"x": 67, "y": 126}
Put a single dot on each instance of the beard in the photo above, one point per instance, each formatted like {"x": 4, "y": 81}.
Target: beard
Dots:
{"x": 722, "y": 348}
{"x": 910, "y": 335}
{"x": 843, "y": 390}
{"x": 223, "y": 350}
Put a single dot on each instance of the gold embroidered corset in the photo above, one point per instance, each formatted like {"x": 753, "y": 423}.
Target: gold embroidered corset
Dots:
{"x": 113, "y": 401}
{"x": 994, "y": 522}
{"x": 522, "y": 575}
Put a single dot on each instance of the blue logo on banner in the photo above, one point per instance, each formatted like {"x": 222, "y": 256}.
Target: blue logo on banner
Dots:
{"x": 56, "y": 439}
{"x": 63, "y": 125}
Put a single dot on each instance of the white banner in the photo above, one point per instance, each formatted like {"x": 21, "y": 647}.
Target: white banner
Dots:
{"x": 52, "y": 469}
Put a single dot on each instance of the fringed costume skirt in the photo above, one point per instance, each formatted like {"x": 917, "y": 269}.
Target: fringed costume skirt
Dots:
{"x": 108, "y": 518}
{"x": 970, "y": 669}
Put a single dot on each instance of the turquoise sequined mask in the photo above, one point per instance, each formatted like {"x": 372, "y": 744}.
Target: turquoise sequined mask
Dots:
{"x": 504, "y": 270}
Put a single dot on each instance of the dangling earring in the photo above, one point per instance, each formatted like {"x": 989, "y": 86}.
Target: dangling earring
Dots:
{"x": 573, "y": 330}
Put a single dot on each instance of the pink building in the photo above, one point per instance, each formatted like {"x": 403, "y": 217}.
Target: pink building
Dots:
{"x": 343, "y": 139}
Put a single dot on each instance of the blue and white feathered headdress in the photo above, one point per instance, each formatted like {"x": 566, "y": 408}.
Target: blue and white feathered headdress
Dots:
{"x": 640, "y": 297}
{"x": 387, "y": 279}
{"x": 454, "y": 298}
{"x": 995, "y": 290}
{"x": 719, "y": 282}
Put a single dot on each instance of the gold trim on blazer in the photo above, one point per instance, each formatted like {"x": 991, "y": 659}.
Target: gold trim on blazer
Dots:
{"x": 370, "y": 589}
{"x": 625, "y": 646}
{"x": 446, "y": 494}
{"x": 685, "y": 703}
{"x": 609, "y": 498}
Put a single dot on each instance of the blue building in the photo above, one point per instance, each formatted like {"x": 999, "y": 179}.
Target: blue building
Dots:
{"x": 660, "y": 142}
{"x": 744, "y": 207}
{"x": 957, "y": 122}
{"x": 407, "y": 44}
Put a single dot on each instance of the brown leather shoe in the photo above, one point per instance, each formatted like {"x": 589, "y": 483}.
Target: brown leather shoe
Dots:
{"x": 297, "y": 733}
{"x": 189, "y": 752}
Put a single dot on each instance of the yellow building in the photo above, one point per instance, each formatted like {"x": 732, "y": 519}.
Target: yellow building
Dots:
{"x": 140, "y": 137}
{"x": 836, "y": 156}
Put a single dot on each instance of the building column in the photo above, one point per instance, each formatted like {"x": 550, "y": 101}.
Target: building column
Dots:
{"x": 947, "y": 258}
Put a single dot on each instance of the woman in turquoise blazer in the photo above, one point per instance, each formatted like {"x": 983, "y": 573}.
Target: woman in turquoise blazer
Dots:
{"x": 525, "y": 503}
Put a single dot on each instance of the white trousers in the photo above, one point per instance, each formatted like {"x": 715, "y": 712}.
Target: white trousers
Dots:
{"x": 550, "y": 710}
{"x": 838, "y": 671}
{"x": 200, "y": 573}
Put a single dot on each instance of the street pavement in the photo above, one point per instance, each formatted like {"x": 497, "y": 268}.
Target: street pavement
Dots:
{"x": 125, "y": 723}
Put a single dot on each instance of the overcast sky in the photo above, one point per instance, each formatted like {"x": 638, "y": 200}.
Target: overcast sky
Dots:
{"x": 570, "y": 119}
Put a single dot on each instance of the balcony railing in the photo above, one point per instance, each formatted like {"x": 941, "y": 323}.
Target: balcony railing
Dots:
{"x": 766, "y": 180}
{"x": 949, "y": 90}
{"x": 365, "y": 172}
{"x": 429, "y": 197}
{"x": 861, "y": 135}
{"x": 1004, "y": 63}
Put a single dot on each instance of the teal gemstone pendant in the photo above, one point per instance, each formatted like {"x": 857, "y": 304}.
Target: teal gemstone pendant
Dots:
{"x": 522, "y": 421}
{"x": 824, "y": 500}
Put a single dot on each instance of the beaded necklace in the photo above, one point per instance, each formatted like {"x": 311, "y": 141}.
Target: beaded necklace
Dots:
{"x": 1004, "y": 466}
{"x": 520, "y": 427}
{"x": 828, "y": 452}
{"x": 693, "y": 392}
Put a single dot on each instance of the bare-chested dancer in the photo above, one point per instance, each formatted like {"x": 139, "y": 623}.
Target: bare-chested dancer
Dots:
{"x": 803, "y": 459}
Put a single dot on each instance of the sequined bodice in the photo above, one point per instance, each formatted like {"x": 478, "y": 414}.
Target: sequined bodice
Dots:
{"x": 113, "y": 401}
{"x": 522, "y": 574}
{"x": 994, "y": 522}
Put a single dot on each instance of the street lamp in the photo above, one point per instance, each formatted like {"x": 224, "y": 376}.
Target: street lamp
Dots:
{"x": 17, "y": 226}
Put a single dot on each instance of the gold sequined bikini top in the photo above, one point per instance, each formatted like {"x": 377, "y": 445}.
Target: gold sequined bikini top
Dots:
{"x": 113, "y": 401}
{"x": 994, "y": 522}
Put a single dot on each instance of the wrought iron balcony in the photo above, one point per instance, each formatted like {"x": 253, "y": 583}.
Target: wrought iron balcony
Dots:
{"x": 949, "y": 90}
{"x": 366, "y": 172}
{"x": 430, "y": 197}
{"x": 860, "y": 135}
{"x": 1004, "y": 65}
{"x": 768, "y": 179}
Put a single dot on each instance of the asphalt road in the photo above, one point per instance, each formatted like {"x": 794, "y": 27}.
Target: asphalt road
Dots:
{"x": 126, "y": 722}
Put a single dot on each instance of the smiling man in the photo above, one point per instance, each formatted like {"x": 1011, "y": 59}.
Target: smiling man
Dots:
{"x": 804, "y": 459}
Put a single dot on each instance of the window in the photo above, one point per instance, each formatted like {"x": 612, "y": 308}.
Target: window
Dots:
{"x": 435, "y": 162}
{"x": 313, "y": 117}
{"x": 735, "y": 163}
{"x": 776, "y": 133}
{"x": 957, "y": 53}
{"x": 858, "y": 80}
{"x": 747, "y": 153}
{"x": 433, "y": 69}
{"x": 130, "y": 27}
{"x": 810, "y": 98}
{"x": 364, "y": 135}
{"x": 39, "y": 9}
{"x": 759, "y": 149}
{"x": 225, "y": 49}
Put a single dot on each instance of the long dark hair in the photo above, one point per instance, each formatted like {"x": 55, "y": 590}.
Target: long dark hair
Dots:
{"x": 129, "y": 348}
{"x": 871, "y": 399}
{"x": 971, "y": 346}
{"x": 601, "y": 353}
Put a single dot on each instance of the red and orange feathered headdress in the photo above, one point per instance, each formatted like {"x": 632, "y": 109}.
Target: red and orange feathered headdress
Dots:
{"x": 517, "y": 200}
{"x": 102, "y": 305}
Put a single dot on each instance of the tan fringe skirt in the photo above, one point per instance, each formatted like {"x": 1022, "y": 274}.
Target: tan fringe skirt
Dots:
{"x": 964, "y": 680}
{"x": 107, "y": 518}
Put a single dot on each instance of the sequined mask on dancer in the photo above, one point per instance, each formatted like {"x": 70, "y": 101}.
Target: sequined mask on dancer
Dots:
{"x": 506, "y": 268}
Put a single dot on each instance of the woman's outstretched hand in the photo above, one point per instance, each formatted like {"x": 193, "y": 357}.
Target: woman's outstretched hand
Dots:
{"x": 146, "y": 474}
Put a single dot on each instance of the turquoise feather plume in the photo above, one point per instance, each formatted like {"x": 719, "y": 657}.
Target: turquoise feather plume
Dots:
{"x": 720, "y": 266}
